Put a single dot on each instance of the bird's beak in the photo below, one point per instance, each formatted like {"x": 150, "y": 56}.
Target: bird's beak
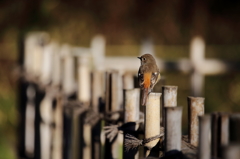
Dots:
{"x": 139, "y": 58}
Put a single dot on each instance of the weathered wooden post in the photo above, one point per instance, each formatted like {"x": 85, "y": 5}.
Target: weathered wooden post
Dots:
{"x": 98, "y": 52}
{"x": 169, "y": 99}
{"x": 45, "y": 126}
{"x": 68, "y": 70}
{"x": 58, "y": 131}
{"x": 29, "y": 123}
{"x": 69, "y": 89}
{"x": 131, "y": 114}
{"x": 173, "y": 128}
{"x": 84, "y": 95}
{"x": 195, "y": 109}
{"x": 128, "y": 81}
{"x": 204, "y": 147}
{"x": 116, "y": 105}
{"x": 224, "y": 124}
{"x": 231, "y": 151}
{"x": 152, "y": 123}
{"x": 223, "y": 128}
{"x": 97, "y": 97}
{"x": 47, "y": 63}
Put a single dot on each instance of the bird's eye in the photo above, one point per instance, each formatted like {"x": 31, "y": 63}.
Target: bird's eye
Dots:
{"x": 144, "y": 59}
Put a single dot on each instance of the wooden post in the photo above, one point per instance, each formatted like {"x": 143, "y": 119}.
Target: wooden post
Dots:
{"x": 97, "y": 89}
{"x": 98, "y": 51}
{"x": 116, "y": 105}
{"x": 68, "y": 70}
{"x": 204, "y": 147}
{"x": 173, "y": 128}
{"x": 231, "y": 151}
{"x": 169, "y": 96}
{"x": 169, "y": 99}
{"x": 224, "y": 129}
{"x": 58, "y": 131}
{"x": 45, "y": 126}
{"x": 57, "y": 67}
{"x": 84, "y": 79}
{"x": 195, "y": 109}
{"x": 131, "y": 114}
{"x": 97, "y": 97}
{"x": 152, "y": 123}
{"x": 29, "y": 121}
{"x": 84, "y": 95}
{"x": 215, "y": 134}
{"x": 47, "y": 63}
{"x": 128, "y": 81}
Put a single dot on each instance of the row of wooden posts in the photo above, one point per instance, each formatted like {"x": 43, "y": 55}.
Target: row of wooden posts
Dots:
{"x": 99, "y": 116}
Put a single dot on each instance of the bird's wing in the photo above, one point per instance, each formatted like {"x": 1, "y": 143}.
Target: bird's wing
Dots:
{"x": 155, "y": 78}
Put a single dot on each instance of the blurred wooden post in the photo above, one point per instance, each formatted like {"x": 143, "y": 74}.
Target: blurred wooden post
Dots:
{"x": 29, "y": 121}
{"x": 223, "y": 132}
{"x": 152, "y": 123}
{"x": 45, "y": 126}
{"x": 57, "y": 67}
{"x": 234, "y": 128}
{"x": 128, "y": 81}
{"x": 131, "y": 114}
{"x": 68, "y": 70}
{"x": 169, "y": 99}
{"x": 84, "y": 89}
{"x": 47, "y": 63}
{"x": 215, "y": 134}
{"x": 97, "y": 95}
{"x": 231, "y": 151}
{"x": 173, "y": 128}
{"x": 58, "y": 131}
{"x": 195, "y": 109}
{"x": 204, "y": 147}
{"x": 224, "y": 124}
{"x": 116, "y": 105}
{"x": 197, "y": 52}
{"x": 98, "y": 52}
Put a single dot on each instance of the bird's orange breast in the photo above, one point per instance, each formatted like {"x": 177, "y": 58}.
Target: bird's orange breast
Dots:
{"x": 147, "y": 80}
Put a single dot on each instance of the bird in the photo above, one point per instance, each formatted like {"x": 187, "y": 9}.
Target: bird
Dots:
{"x": 148, "y": 76}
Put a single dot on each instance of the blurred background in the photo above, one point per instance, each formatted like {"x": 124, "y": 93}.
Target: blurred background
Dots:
{"x": 170, "y": 25}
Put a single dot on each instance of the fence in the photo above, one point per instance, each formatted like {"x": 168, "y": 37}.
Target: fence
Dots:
{"x": 76, "y": 103}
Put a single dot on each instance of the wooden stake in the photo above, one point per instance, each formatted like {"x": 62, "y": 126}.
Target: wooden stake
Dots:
{"x": 195, "y": 109}
{"x": 231, "y": 151}
{"x": 152, "y": 121}
{"x": 204, "y": 147}
{"x": 173, "y": 128}
{"x": 131, "y": 112}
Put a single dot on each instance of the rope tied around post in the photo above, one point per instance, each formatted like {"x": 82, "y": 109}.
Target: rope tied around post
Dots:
{"x": 131, "y": 142}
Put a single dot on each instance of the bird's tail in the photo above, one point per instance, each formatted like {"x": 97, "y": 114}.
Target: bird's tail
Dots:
{"x": 145, "y": 92}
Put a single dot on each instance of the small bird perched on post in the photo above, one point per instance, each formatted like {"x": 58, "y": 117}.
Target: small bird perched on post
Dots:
{"x": 148, "y": 76}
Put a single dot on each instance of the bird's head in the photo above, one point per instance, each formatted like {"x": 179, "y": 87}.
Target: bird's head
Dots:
{"x": 146, "y": 58}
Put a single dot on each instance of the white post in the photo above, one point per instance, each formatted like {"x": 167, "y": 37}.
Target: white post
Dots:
{"x": 98, "y": 52}
{"x": 173, "y": 128}
{"x": 84, "y": 80}
{"x": 68, "y": 70}
{"x": 45, "y": 126}
{"x": 152, "y": 120}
